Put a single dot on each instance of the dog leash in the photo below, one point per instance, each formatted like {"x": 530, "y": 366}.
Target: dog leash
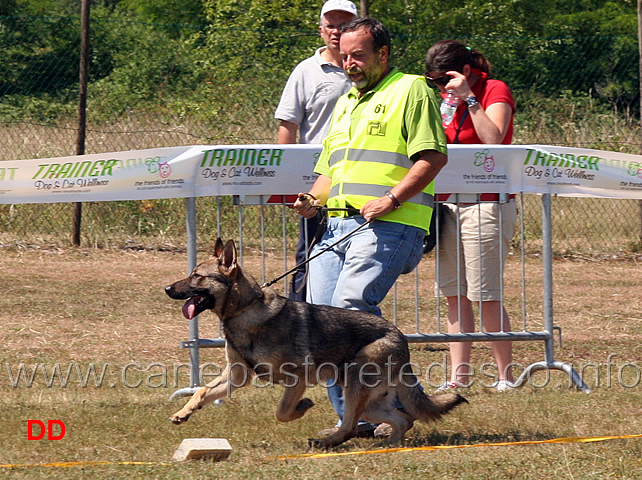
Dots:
{"x": 345, "y": 237}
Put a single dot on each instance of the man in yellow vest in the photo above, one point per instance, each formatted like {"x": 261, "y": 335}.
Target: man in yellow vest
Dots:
{"x": 383, "y": 150}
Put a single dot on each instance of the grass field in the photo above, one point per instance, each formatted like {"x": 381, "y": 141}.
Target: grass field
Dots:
{"x": 105, "y": 309}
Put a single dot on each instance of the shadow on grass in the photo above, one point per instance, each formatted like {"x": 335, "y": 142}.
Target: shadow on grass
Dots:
{"x": 432, "y": 439}
{"x": 436, "y": 438}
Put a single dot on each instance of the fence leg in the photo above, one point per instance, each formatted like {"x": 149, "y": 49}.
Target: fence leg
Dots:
{"x": 547, "y": 260}
{"x": 547, "y": 264}
{"x": 194, "y": 377}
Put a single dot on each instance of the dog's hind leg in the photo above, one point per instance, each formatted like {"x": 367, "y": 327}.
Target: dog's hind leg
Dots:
{"x": 381, "y": 410}
{"x": 292, "y": 407}
{"x": 355, "y": 399}
{"x": 235, "y": 375}
{"x": 400, "y": 424}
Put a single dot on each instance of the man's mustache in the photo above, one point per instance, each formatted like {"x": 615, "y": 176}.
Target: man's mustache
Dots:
{"x": 352, "y": 70}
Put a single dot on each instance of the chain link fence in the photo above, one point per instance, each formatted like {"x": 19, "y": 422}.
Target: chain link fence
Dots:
{"x": 166, "y": 85}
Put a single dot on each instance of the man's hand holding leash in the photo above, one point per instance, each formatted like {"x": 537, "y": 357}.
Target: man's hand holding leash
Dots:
{"x": 307, "y": 205}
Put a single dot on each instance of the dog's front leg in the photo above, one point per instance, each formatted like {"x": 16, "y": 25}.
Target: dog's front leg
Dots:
{"x": 290, "y": 407}
{"x": 235, "y": 375}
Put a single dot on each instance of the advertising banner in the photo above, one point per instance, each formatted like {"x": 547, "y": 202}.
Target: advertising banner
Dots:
{"x": 252, "y": 170}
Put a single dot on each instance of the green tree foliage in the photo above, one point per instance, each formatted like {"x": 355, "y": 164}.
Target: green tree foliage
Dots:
{"x": 269, "y": 33}
{"x": 169, "y": 12}
{"x": 249, "y": 49}
{"x": 45, "y": 7}
{"x": 599, "y": 49}
{"x": 7, "y": 7}
{"x": 547, "y": 47}
{"x": 210, "y": 59}
{"x": 36, "y": 55}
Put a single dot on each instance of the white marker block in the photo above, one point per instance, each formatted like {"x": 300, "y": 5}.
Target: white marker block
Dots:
{"x": 214, "y": 449}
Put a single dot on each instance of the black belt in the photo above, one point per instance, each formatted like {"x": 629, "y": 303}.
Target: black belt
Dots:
{"x": 349, "y": 209}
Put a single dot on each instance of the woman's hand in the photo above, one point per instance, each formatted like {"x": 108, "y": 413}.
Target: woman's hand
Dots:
{"x": 458, "y": 83}
{"x": 491, "y": 124}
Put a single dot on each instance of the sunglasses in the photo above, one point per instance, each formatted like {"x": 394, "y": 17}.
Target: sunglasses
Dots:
{"x": 438, "y": 81}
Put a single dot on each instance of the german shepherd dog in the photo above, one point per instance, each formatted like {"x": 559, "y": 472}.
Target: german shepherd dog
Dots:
{"x": 298, "y": 344}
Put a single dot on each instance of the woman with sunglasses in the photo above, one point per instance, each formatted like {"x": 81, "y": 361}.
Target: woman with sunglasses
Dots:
{"x": 484, "y": 115}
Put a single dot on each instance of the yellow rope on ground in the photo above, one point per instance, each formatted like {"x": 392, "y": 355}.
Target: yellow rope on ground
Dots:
{"x": 77, "y": 464}
{"x": 341, "y": 454}
{"x": 450, "y": 447}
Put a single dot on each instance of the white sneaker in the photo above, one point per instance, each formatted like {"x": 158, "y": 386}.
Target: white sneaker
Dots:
{"x": 504, "y": 386}
{"x": 446, "y": 386}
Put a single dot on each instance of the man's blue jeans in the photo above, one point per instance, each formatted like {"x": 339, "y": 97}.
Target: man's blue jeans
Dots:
{"x": 358, "y": 272}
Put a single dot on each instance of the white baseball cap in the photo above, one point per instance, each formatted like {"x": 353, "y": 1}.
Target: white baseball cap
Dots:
{"x": 341, "y": 5}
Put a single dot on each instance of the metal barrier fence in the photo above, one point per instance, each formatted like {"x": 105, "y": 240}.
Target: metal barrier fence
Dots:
{"x": 532, "y": 327}
{"x": 596, "y": 227}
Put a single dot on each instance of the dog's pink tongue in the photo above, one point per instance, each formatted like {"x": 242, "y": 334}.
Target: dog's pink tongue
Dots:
{"x": 189, "y": 309}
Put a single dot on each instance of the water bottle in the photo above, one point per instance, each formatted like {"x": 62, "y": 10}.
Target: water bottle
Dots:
{"x": 449, "y": 107}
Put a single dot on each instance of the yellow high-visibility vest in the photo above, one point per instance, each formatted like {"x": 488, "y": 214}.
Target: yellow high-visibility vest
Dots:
{"x": 369, "y": 157}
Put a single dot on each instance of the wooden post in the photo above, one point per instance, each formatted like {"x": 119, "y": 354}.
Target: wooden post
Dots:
{"x": 82, "y": 107}
{"x": 640, "y": 63}
{"x": 363, "y": 8}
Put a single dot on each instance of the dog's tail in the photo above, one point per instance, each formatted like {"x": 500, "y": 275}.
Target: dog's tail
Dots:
{"x": 427, "y": 408}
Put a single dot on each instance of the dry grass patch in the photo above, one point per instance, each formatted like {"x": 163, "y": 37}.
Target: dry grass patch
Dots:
{"x": 108, "y": 309}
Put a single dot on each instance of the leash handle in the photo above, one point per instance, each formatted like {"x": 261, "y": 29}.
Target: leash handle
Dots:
{"x": 321, "y": 208}
{"x": 292, "y": 270}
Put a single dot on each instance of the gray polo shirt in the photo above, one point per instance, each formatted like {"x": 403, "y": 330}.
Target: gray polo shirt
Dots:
{"x": 309, "y": 96}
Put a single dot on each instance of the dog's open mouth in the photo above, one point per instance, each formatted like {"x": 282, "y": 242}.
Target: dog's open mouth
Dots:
{"x": 194, "y": 306}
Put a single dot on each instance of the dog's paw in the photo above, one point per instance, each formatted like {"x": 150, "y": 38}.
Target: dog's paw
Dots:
{"x": 177, "y": 418}
{"x": 304, "y": 405}
{"x": 316, "y": 444}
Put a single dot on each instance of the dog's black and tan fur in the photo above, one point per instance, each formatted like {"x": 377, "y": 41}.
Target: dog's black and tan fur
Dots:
{"x": 292, "y": 340}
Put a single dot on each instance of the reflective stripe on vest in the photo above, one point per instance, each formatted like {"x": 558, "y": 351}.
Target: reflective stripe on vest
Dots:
{"x": 369, "y": 190}
{"x": 389, "y": 158}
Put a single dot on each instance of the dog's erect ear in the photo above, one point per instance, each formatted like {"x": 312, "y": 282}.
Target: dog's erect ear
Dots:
{"x": 228, "y": 260}
{"x": 218, "y": 247}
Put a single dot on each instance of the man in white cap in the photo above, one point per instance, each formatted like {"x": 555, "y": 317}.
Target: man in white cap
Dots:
{"x": 306, "y": 107}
